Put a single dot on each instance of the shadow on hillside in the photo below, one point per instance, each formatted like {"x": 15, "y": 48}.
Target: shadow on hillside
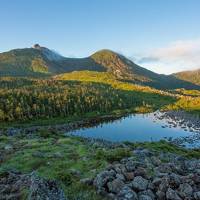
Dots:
{"x": 166, "y": 82}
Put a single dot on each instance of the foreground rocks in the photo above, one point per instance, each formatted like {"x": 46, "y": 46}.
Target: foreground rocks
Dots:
{"x": 150, "y": 176}
{"x": 17, "y": 186}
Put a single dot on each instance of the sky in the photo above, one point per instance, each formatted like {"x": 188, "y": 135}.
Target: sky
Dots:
{"x": 163, "y": 36}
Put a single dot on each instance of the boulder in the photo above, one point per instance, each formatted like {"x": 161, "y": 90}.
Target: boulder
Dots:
{"x": 164, "y": 185}
{"x": 115, "y": 186}
{"x": 140, "y": 172}
{"x": 197, "y": 195}
{"x": 44, "y": 189}
{"x": 172, "y": 195}
{"x": 144, "y": 197}
{"x": 126, "y": 193}
{"x": 139, "y": 183}
{"x": 185, "y": 190}
{"x": 160, "y": 195}
{"x": 102, "y": 179}
{"x": 148, "y": 193}
{"x": 129, "y": 176}
{"x": 174, "y": 180}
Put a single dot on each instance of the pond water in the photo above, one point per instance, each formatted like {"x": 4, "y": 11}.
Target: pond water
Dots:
{"x": 135, "y": 128}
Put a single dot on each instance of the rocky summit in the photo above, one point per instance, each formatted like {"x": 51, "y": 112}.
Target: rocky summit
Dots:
{"x": 148, "y": 175}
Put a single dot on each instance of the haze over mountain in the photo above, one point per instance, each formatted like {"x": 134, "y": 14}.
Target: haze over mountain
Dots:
{"x": 39, "y": 61}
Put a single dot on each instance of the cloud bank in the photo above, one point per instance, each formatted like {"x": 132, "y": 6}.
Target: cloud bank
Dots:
{"x": 177, "y": 56}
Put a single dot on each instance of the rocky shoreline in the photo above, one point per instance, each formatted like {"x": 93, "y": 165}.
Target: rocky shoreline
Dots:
{"x": 67, "y": 127}
{"x": 185, "y": 121}
{"x": 181, "y": 119}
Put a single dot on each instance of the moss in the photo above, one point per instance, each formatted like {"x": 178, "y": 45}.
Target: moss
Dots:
{"x": 113, "y": 155}
{"x": 58, "y": 161}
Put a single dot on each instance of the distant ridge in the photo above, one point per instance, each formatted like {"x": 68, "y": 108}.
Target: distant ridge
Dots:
{"x": 40, "y": 61}
{"x": 190, "y": 76}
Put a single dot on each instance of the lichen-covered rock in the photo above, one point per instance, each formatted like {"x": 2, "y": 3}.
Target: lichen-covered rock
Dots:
{"x": 139, "y": 183}
{"x": 185, "y": 190}
{"x": 115, "y": 186}
{"x": 44, "y": 189}
{"x": 197, "y": 195}
{"x": 172, "y": 195}
{"x": 126, "y": 193}
{"x": 144, "y": 197}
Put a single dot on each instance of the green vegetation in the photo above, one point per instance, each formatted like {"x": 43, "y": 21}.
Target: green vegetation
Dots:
{"x": 41, "y": 62}
{"x": 113, "y": 155}
{"x": 70, "y": 159}
{"x": 66, "y": 159}
{"x": 38, "y": 65}
{"x": 27, "y": 99}
{"x": 189, "y": 104}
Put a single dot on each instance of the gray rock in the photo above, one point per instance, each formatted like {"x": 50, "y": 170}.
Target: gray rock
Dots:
{"x": 130, "y": 166}
{"x": 160, "y": 195}
{"x": 102, "y": 178}
{"x": 120, "y": 176}
{"x": 164, "y": 168}
{"x": 147, "y": 193}
{"x": 156, "y": 181}
{"x": 156, "y": 161}
{"x": 144, "y": 197}
{"x": 172, "y": 195}
{"x": 164, "y": 185}
{"x": 115, "y": 186}
{"x": 44, "y": 189}
{"x": 185, "y": 190}
{"x": 139, "y": 183}
{"x": 175, "y": 180}
{"x": 197, "y": 195}
{"x": 8, "y": 147}
{"x": 140, "y": 172}
{"x": 129, "y": 176}
{"x": 126, "y": 193}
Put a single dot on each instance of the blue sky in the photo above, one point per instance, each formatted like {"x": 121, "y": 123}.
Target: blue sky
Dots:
{"x": 148, "y": 31}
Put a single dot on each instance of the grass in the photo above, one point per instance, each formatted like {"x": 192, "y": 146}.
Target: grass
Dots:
{"x": 69, "y": 159}
{"x": 58, "y": 161}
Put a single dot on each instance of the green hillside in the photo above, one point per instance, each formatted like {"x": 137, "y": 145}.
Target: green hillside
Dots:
{"x": 41, "y": 61}
{"x": 190, "y": 76}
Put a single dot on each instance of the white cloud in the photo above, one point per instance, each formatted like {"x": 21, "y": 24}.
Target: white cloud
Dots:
{"x": 177, "y": 56}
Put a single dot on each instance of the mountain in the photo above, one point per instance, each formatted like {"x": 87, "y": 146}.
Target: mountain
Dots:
{"x": 126, "y": 70}
{"x": 40, "y": 61}
{"x": 190, "y": 76}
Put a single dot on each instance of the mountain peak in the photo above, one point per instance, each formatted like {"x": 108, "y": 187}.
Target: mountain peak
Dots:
{"x": 104, "y": 52}
{"x": 37, "y": 46}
